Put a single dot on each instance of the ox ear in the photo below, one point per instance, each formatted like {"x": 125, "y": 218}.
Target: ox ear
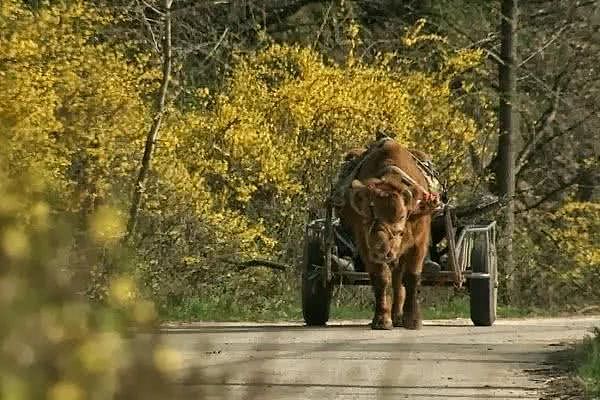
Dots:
{"x": 354, "y": 153}
{"x": 359, "y": 199}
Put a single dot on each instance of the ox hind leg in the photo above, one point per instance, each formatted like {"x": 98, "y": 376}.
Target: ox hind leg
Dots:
{"x": 399, "y": 295}
{"x": 381, "y": 281}
{"x": 412, "y": 265}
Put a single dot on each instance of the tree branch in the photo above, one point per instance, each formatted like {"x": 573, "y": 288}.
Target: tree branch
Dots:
{"x": 525, "y": 162}
{"x": 152, "y": 136}
{"x": 256, "y": 263}
{"x": 549, "y": 195}
{"x": 545, "y": 45}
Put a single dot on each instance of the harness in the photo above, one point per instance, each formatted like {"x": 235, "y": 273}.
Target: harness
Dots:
{"x": 351, "y": 169}
{"x": 375, "y": 221}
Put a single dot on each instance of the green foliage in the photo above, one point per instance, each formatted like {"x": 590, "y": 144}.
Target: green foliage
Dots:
{"x": 349, "y": 304}
{"x": 589, "y": 370}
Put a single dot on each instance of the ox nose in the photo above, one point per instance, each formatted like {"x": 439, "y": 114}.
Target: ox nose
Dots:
{"x": 383, "y": 249}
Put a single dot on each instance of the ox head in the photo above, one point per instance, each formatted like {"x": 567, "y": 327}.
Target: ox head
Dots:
{"x": 385, "y": 205}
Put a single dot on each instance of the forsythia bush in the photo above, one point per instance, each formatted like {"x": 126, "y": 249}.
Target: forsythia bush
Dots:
{"x": 272, "y": 139}
{"x": 55, "y": 344}
{"x": 576, "y": 232}
{"x": 256, "y": 155}
{"x": 75, "y": 109}
{"x": 234, "y": 175}
{"x": 558, "y": 255}
{"x": 70, "y": 106}
{"x": 236, "y": 171}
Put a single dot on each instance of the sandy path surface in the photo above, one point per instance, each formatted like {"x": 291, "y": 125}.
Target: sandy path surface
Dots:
{"x": 346, "y": 360}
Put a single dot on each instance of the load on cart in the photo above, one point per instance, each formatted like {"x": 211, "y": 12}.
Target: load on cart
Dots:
{"x": 387, "y": 223}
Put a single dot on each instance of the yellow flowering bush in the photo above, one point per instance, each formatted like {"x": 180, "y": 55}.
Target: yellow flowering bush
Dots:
{"x": 75, "y": 110}
{"x": 256, "y": 154}
{"x": 558, "y": 255}
{"x": 278, "y": 129}
{"x": 576, "y": 232}
{"x": 55, "y": 344}
{"x": 71, "y": 106}
{"x": 233, "y": 177}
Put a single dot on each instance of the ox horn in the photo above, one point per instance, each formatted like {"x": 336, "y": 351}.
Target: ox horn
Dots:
{"x": 407, "y": 193}
{"x": 408, "y": 196}
{"x": 404, "y": 176}
{"x": 357, "y": 187}
{"x": 397, "y": 170}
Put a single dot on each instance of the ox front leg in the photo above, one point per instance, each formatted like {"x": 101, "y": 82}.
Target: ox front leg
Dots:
{"x": 411, "y": 318}
{"x": 381, "y": 281}
{"x": 399, "y": 296}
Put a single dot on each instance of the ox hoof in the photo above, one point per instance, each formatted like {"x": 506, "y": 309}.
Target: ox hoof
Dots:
{"x": 382, "y": 323}
{"x": 412, "y": 321}
{"x": 397, "y": 321}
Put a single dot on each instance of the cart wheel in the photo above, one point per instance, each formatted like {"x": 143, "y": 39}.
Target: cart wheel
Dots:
{"x": 316, "y": 298}
{"x": 483, "y": 289}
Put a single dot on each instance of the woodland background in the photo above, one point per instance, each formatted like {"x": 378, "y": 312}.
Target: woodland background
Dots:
{"x": 261, "y": 100}
{"x": 244, "y": 109}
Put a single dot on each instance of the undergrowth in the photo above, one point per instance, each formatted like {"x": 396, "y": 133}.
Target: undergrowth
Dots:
{"x": 589, "y": 371}
{"x": 210, "y": 309}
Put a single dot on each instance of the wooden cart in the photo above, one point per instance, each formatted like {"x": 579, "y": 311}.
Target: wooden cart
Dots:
{"x": 469, "y": 259}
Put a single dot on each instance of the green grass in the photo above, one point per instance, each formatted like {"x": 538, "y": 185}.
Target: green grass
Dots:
{"x": 589, "y": 370}
{"x": 196, "y": 309}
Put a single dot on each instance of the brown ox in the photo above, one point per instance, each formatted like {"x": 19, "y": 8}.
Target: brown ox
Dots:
{"x": 388, "y": 210}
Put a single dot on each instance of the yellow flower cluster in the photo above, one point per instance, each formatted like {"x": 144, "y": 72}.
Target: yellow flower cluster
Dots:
{"x": 55, "y": 343}
{"x": 279, "y": 127}
{"x": 70, "y": 109}
{"x": 251, "y": 155}
{"x": 576, "y": 230}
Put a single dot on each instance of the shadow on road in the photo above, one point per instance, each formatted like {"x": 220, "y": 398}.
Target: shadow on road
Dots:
{"x": 251, "y": 328}
{"x": 558, "y": 377}
{"x": 225, "y": 328}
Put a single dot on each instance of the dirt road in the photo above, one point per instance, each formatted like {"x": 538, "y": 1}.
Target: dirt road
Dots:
{"x": 446, "y": 359}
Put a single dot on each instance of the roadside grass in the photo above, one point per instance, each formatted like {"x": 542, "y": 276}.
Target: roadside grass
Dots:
{"x": 589, "y": 369}
{"x": 197, "y": 309}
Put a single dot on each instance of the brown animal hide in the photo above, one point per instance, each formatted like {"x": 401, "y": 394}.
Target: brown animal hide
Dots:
{"x": 388, "y": 210}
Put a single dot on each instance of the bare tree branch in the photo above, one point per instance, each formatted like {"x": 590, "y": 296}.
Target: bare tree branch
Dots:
{"x": 562, "y": 187}
{"x": 256, "y": 263}
{"x": 545, "y": 45}
{"x": 156, "y": 123}
{"x": 526, "y": 161}
{"x": 149, "y": 28}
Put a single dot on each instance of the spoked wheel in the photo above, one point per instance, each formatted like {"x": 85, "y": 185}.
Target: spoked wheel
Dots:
{"x": 484, "y": 291}
{"x": 316, "y": 297}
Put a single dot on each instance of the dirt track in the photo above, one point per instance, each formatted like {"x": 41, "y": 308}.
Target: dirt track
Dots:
{"x": 446, "y": 359}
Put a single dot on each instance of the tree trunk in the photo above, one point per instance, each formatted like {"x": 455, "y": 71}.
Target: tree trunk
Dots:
{"x": 508, "y": 126}
{"x": 586, "y": 185}
{"x": 156, "y": 122}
